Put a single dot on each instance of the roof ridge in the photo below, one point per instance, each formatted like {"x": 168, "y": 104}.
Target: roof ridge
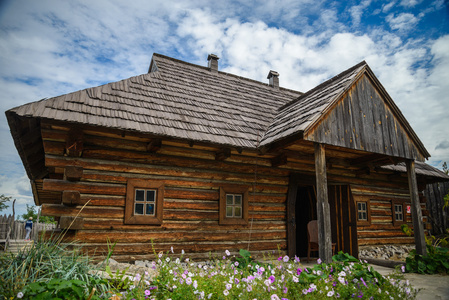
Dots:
{"x": 223, "y": 73}
{"x": 321, "y": 85}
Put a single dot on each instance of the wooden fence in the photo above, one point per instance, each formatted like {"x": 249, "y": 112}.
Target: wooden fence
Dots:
{"x": 11, "y": 229}
{"x": 435, "y": 201}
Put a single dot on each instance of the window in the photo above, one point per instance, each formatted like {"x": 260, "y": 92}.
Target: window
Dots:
{"x": 398, "y": 212}
{"x": 144, "y": 202}
{"x": 363, "y": 212}
{"x": 233, "y": 206}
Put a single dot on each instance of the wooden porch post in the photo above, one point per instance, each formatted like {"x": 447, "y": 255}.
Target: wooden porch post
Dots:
{"x": 322, "y": 205}
{"x": 291, "y": 214}
{"x": 418, "y": 226}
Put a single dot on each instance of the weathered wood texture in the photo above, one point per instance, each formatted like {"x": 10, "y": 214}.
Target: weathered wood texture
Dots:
{"x": 438, "y": 216}
{"x": 362, "y": 120}
{"x": 418, "y": 225}
{"x": 322, "y": 205}
{"x": 380, "y": 230}
{"x": 192, "y": 178}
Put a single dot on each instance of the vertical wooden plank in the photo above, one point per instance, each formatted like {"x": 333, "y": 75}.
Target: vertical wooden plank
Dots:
{"x": 418, "y": 226}
{"x": 322, "y": 205}
{"x": 291, "y": 214}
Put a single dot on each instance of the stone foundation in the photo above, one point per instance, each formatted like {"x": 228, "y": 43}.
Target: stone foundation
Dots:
{"x": 388, "y": 252}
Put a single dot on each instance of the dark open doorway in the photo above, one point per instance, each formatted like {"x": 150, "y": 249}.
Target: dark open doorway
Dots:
{"x": 305, "y": 211}
{"x": 343, "y": 223}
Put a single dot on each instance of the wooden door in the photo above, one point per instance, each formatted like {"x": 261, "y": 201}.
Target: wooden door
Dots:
{"x": 343, "y": 219}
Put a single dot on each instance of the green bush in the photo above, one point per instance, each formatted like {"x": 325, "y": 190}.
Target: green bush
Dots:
{"x": 436, "y": 261}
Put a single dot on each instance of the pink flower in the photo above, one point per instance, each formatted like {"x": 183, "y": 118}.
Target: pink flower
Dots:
{"x": 286, "y": 258}
{"x": 275, "y": 297}
{"x": 147, "y": 292}
{"x": 319, "y": 261}
{"x": 298, "y": 271}
{"x": 272, "y": 278}
{"x": 280, "y": 258}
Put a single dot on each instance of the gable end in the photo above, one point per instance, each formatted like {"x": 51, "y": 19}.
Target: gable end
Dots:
{"x": 365, "y": 119}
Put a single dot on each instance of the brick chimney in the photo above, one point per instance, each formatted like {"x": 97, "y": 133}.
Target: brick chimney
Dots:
{"x": 273, "y": 76}
{"x": 213, "y": 63}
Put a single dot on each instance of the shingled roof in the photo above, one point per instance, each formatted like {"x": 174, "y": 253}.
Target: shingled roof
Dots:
{"x": 175, "y": 99}
{"x": 295, "y": 116}
{"x": 182, "y": 100}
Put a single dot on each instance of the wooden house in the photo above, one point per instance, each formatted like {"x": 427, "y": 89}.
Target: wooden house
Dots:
{"x": 202, "y": 160}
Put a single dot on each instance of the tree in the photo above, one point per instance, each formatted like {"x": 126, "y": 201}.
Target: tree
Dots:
{"x": 32, "y": 212}
{"x": 3, "y": 200}
{"x": 445, "y": 169}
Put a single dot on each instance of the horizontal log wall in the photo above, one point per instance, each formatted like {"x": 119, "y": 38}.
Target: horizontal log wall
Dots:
{"x": 192, "y": 177}
{"x": 382, "y": 229}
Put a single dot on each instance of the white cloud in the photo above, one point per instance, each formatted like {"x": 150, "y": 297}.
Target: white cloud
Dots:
{"x": 386, "y": 7}
{"x": 49, "y": 48}
{"x": 402, "y": 22}
{"x": 410, "y": 3}
{"x": 357, "y": 11}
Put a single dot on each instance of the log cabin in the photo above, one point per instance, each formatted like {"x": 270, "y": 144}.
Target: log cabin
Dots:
{"x": 193, "y": 158}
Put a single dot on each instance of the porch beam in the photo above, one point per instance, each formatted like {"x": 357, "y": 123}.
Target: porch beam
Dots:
{"x": 418, "y": 226}
{"x": 322, "y": 205}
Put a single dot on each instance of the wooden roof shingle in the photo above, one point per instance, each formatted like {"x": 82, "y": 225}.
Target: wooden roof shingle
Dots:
{"x": 182, "y": 100}
{"x": 179, "y": 100}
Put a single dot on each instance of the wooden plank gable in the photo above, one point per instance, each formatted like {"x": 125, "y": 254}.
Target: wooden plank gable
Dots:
{"x": 362, "y": 119}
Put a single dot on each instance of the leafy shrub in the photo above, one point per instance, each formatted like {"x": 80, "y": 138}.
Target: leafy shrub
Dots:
{"x": 58, "y": 289}
{"x": 436, "y": 261}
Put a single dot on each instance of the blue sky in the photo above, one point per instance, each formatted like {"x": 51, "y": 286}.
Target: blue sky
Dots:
{"x": 49, "y": 48}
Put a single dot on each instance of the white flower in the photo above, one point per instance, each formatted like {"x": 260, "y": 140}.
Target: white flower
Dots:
{"x": 202, "y": 294}
{"x": 174, "y": 287}
{"x": 318, "y": 261}
{"x": 226, "y": 292}
{"x": 330, "y": 293}
{"x": 190, "y": 274}
{"x": 171, "y": 271}
{"x": 182, "y": 251}
{"x": 228, "y": 286}
{"x": 160, "y": 255}
{"x": 167, "y": 259}
{"x": 209, "y": 296}
{"x": 286, "y": 258}
{"x": 171, "y": 249}
{"x": 227, "y": 252}
{"x": 267, "y": 282}
{"x": 19, "y": 295}
{"x": 195, "y": 284}
{"x": 177, "y": 261}
{"x": 342, "y": 274}
{"x": 295, "y": 279}
{"x": 341, "y": 279}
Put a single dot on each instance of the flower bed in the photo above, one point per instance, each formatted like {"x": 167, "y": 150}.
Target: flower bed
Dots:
{"x": 239, "y": 277}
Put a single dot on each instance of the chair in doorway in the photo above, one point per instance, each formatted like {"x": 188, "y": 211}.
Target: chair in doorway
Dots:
{"x": 312, "y": 235}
